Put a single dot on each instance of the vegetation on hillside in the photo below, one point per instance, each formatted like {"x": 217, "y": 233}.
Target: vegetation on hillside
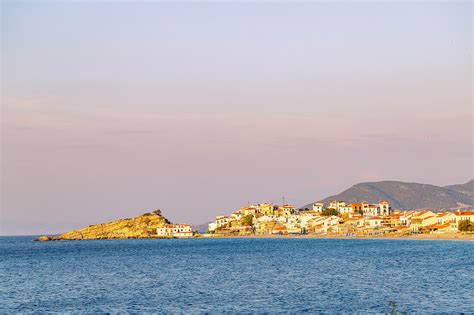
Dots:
{"x": 247, "y": 220}
{"x": 143, "y": 226}
{"x": 329, "y": 211}
{"x": 466, "y": 226}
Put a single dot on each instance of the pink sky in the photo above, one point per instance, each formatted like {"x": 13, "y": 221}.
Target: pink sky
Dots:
{"x": 197, "y": 109}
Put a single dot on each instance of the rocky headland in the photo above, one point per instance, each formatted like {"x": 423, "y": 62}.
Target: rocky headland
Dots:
{"x": 143, "y": 226}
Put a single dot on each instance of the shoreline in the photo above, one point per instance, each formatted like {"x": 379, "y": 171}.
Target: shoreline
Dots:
{"x": 419, "y": 237}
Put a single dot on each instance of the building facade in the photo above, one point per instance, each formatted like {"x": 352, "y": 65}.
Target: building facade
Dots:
{"x": 175, "y": 230}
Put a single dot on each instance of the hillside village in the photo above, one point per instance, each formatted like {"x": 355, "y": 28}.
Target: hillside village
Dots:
{"x": 453, "y": 212}
{"x": 338, "y": 218}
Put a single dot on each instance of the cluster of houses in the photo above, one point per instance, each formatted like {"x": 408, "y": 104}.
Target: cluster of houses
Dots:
{"x": 362, "y": 208}
{"x": 337, "y": 218}
{"x": 343, "y": 219}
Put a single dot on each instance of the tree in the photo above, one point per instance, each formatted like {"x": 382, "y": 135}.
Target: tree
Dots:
{"x": 465, "y": 226}
{"x": 247, "y": 220}
{"x": 329, "y": 211}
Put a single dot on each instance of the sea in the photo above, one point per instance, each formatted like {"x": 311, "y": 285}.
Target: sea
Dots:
{"x": 236, "y": 275}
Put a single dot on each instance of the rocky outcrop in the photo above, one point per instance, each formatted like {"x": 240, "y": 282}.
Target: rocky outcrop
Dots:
{"x": 43, "y": 239}
{"x": 143, "y": 226}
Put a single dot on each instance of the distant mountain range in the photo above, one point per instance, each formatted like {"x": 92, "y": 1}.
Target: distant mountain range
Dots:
{"x": 405, "y": 196}
{"x": 201, "y": 228}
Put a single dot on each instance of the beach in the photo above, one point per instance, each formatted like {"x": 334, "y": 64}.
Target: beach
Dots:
{"x": 434, "y": 237}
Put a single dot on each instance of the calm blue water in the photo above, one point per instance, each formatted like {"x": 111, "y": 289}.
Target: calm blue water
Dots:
{"x": 236, "y": 275}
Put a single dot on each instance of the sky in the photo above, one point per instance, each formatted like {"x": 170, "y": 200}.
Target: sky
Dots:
{"x": 111, "y": 109}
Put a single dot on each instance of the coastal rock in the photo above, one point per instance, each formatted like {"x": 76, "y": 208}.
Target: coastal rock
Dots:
{"x": 143, "y": 226}
{"x": 43, "y": 238}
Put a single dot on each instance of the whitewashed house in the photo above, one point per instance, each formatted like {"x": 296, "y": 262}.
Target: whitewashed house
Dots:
{"x": 175, "y": 230}
{"x": 318, "y": 207}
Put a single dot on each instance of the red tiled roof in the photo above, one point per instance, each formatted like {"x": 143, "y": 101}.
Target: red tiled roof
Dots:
{"x": 464, "y": 213}
{"x": 437, "y": 226}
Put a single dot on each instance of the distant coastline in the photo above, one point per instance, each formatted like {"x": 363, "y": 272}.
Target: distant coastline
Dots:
{"x": 357, "y": 217}
{"x": 419, "y": 237}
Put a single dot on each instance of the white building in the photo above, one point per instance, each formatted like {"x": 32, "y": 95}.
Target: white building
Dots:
{"x": 405, "y": 219}
{"x": 306, "y": 218}
{"x": 345, "y": 209}
{"x": 236, "y": 215}
{"x": 325, "y": 224}
{"x": 459, "y": 216}
{"x": 286, "y": 209}
{"x": 293, "y": 223}
{"x": 337, "y": 204}
{"x": 318, "y": 207}
{"x": 252, "y": 210}
{"x": 175, "y": 230}
{"x": 265, "y": 218}
{"x": 212, "y": 226}
{"x": 373, "y": 210}
{"x": 384, "y": 208}
{"x": 374, "y": 222}
{"x": 220, "y": 221}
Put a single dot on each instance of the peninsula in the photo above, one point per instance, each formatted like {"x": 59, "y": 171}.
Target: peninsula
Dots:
{"x": 143, "y": 226}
